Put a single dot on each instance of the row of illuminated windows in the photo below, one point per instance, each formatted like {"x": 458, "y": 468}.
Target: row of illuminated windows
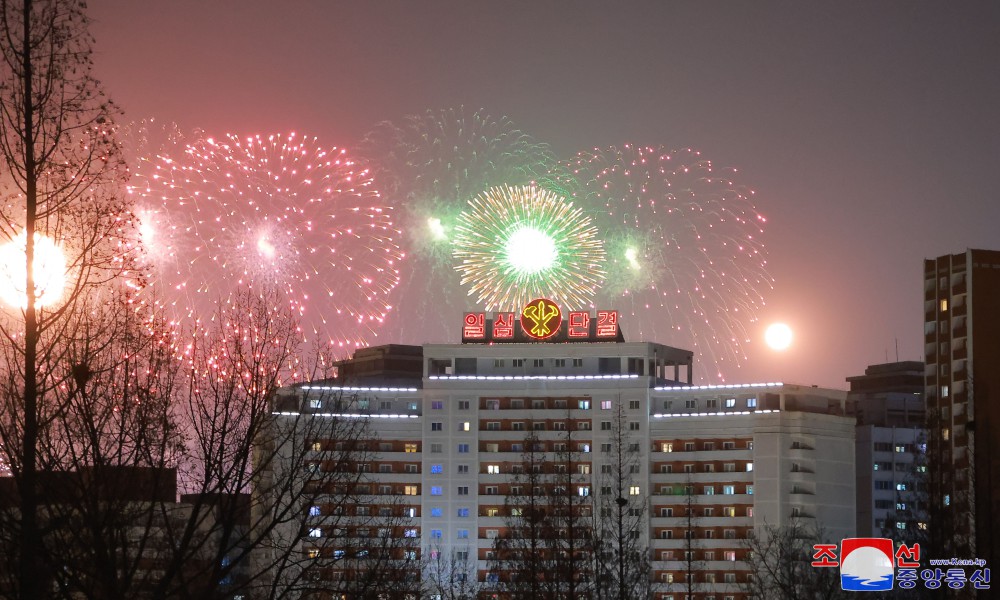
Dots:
{"x": 439, "y": 405}
{"x": 361, "y": 404}
{"x": 884, "y": 484}
{"x": 900, "y": 466}
{"x": 463, "y": 426}
{"x": 712, "y": 403}
{"x": 706, "y": 555}
{"x": 728, "y": 511}
{"x": 690, "y": 490}
{"x": 692, "y": 446}
{"x": 462, "y": 513}
{"x": 540, "y": 403}
{"x": 899, "y": 448}
{"x": 727, "y": 490}
{"x": 691, "y": 534}
{"x": 438, "y": 448}
{"x": 688, "y": 555}
{"x": 500, "y": 363}
{"x": 706, "y": 467}
{"x": 437, "y": 490}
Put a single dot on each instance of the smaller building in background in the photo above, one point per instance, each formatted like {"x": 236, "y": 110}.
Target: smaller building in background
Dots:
{"x": 890, "y": 447}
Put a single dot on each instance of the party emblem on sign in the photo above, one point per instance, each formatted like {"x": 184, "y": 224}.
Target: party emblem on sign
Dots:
{"x": 541, "y": 318}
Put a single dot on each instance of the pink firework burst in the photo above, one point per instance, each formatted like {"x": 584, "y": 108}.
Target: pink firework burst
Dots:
{"x": 278, "y": 213}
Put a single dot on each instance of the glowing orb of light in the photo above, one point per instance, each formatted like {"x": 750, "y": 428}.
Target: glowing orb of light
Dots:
{"x": 49, "y": 267}
{"x": 632, "y": 255}
{"x": 438, "y": 233}
{"x": 265, "y": 247}
{"x": 778, "y": 336}
{"x": 531, "y": 251}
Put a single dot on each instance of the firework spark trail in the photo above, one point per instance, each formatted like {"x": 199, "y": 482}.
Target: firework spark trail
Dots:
{"x": 684, "y": 246}
{"x": 514, "y": 244}
{"x": 437, "y": 162}
{"x": 276, "y": 212}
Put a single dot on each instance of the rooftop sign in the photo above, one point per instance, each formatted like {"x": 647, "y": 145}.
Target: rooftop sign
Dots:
{"x": 541, "y": 320}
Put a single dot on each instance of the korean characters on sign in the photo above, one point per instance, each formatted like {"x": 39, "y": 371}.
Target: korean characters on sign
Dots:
{"x": 541, "y": 320}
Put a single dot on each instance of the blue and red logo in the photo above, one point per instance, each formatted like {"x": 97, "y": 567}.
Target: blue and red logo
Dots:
{"x": 866, "y": 564}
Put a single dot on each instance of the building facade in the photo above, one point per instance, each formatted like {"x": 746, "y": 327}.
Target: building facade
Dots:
{"x": 962, "y": 354}
{"x": 890, "y": 448}
{"x": 596, "y": 433}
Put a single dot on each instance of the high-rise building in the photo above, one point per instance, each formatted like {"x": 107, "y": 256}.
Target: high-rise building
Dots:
{"x": 593, "y": 431}
{"x": 962, "y": 356}
{"x": 890, "y": 448}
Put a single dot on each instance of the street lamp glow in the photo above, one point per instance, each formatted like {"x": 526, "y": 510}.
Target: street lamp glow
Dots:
{"x": 778, "y": 336}
{"x": 49, "y": 267}
{"x": 530, "y": 251}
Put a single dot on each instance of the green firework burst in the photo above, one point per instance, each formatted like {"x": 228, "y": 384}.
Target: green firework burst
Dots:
{"x": 516, "y": 243}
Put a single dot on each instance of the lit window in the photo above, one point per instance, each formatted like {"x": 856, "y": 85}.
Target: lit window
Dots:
{"x": 436, "y": 534}
{"x": 730, "y": 402}
{"x": 944, "y": 305}
{"x": 410, "y": 490}
{"x": 463, "y": 534}
{"x": 749, "y": 466}
{"x": 729, "y": 555}
{"x": 437, "y": 468}
{"x": 605, "y": 404}
{"x": 436, "y": 511}
{"x": 463, "y": 512}
{"x": 314, "y": 511}
{"x": 729, "y": 489}
{"x": 493, "y": 469}
{"x": 437, "y": 405}
{"x": 751, "y": 403}
{"x": 435, "y": 490}
{"x": 315, "y": 532}
{"x": 633, "y": 490}
{"x": 313, "y": 553}
{"x": 465, "y": 426}
{"x": 317, "y": 446}
{"x": 315, "y": 403}
{"x": 666, "y": 447}
{"x": 584, "y": 404}
{"x": 583, "y": 490}
{"x": 410, "y": 448}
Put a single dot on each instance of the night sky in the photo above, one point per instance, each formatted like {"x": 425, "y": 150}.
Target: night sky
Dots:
{"x": 870, "y": 132}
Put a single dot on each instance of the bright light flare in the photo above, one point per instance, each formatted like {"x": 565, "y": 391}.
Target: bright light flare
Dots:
{"x": 778, "y": 336}
{"x": 49, "y": 267}
{"x": 632, "y": 256}
{"x": 438, "y": 234}
{"x": 530, "y": 251}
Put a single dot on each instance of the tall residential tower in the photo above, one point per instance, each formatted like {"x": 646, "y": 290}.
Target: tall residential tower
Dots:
{"x": 962, "y": 352}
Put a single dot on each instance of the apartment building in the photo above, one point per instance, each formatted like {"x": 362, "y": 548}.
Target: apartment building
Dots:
{"x": 890, "y": 448}
{"x": 484, "y": 426}
{"x": 962, "y": 351}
